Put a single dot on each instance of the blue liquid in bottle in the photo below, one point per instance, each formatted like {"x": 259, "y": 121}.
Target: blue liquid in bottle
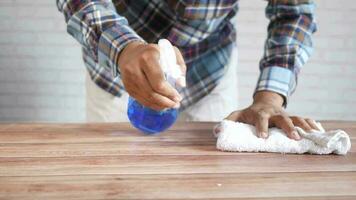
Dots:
{"x": 150, "y": 121}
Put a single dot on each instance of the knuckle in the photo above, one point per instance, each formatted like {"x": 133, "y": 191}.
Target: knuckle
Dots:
{"x": 308, "y": 120}
{"x": 146, "y": 55}
{"x": 129, "y": 72}
{"x": 124, "y": 68}
{"x": 284, "y": 117}
{"x": 149, "y": 53}
{"x": 297, "y": 120}
{"x": 159, "y": 86}
{"x": 153, "y": 50}
{"x": 287, "y": 121}
{"x": 294, "y": 118}
{"x": 132, "y": 75}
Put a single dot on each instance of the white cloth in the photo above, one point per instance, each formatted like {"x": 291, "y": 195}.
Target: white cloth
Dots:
{"x": 236, "y": 136}
{"x": 102, "y": 106}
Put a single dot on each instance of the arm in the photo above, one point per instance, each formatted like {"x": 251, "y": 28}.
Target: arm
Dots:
{"x": 288, "y": 45}
{"x": 287, "y": 48}
{"x": 97, "y": 26}
{"x": 114, "y": 45}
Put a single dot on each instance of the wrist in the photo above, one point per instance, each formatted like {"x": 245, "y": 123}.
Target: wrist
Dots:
{"x": 268, "y": 97}
{"x": 128, "y": 48}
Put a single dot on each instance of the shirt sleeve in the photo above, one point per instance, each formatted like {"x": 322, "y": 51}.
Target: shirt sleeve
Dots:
{"x": 99, "y": 29}
{"x": 288, "y": 45}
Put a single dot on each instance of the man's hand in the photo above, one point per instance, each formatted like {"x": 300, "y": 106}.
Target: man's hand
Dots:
{"x": 267, "y": 111}
{"x": 143, "y": 77}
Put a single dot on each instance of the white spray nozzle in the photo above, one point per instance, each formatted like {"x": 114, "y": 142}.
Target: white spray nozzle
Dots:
{"x": 168, "y": 61}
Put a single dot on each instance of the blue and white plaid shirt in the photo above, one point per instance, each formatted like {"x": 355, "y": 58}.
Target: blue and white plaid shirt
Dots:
{"x": 203, "y": 32}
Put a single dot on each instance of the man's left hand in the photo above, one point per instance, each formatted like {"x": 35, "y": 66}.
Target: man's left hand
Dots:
{"x": 267, "y": 111}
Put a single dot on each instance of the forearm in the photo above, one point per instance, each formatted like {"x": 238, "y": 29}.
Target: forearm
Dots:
{"x": 288, "y": 45}
{"x": 97, "y": 26}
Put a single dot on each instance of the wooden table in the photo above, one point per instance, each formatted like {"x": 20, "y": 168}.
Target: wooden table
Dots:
{"x": 114, "y": 161}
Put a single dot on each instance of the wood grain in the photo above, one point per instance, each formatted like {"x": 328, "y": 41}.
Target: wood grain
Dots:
{"x": 189, "y": 186}
{"x": 114, "y": 161}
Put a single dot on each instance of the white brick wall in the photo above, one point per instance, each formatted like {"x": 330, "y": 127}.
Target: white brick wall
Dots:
{"x": 41, "y": 71}
{"x": 42, "y": 74}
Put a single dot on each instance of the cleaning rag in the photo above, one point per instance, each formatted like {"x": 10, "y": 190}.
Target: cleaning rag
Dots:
{"x": 236, "y": 136}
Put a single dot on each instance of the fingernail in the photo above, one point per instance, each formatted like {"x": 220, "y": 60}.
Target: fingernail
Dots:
{"x": 217, "y": 129}
{"x": 296, "y": 135}
{"x": 264, "y": 135}
{"x": 177, "y": 98}
{"x": 177, "y": 105}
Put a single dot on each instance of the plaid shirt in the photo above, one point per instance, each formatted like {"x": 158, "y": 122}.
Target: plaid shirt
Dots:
{"x": 202, "y": 30}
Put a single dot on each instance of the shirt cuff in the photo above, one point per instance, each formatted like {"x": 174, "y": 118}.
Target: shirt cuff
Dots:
{"x": 277, "y": 79}
{"x": 111, "y": 43}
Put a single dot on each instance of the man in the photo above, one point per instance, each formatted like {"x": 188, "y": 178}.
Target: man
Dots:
{"x": 120, "y": 52}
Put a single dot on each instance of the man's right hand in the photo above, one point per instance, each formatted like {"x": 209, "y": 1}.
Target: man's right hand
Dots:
{"x": 144, "y": 79}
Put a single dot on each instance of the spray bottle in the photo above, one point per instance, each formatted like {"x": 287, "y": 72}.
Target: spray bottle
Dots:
{"x": 150, "y": 121}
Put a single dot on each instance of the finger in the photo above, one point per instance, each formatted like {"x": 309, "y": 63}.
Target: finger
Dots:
{"x": 234, "y": 116}
{"x": 300, "y": 122}
{"x": 312, "y": 124}
{"x": 262, "y": 126}
{"x": 180, "y": 61}
{"x": 156, "y": 79}
{"x": 157, "y": 105}
{"x": 151, "y": 98}
{"x": 286, "y": 124}
{"x": 144, "y": 102}
{"x": 217, "y": 129}
{"x": 156, "y": 98}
